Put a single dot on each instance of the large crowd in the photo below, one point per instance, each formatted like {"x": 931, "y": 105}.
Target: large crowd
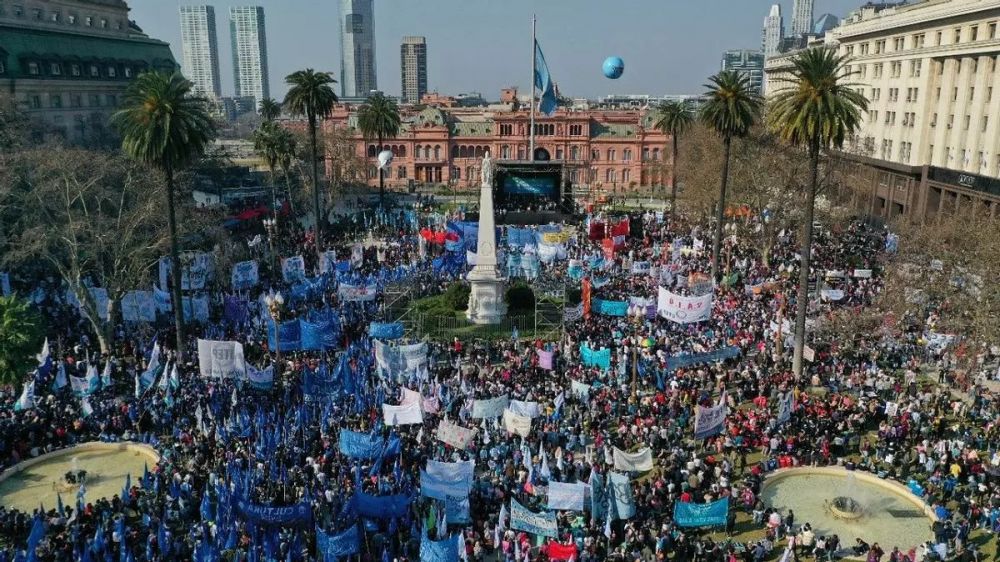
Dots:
{"x": 889, "y": 407}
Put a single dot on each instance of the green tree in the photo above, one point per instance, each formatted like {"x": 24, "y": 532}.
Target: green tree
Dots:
{"x": 674, "y": 119}
{"x": 310, "y": 94}
{"x": 164, "y": 125}
{"x": 269, "y": 109}
{"x": 378, "y": 120}
{"x": 818, "y": 108}
{"x": 267, "y": 144}
{"x": 20, "y": 338}
{"x": 731, "y": 109}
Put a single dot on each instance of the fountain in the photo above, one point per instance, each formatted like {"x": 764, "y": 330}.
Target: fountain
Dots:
{"x": 845, "y": 507}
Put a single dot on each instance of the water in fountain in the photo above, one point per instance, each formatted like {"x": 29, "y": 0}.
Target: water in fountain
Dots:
{"x": 75, "y": 464}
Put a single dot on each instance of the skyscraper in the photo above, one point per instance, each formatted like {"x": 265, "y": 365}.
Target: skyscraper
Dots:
{"x": 774, "y": 32}
{"x": 357, "y": 48}
{"x": 413, "y": 68}
{"x": 246, "y": 26}
{"x": 200, "y": 48}
{"x": 748, "y": 63}
{"x": 802, "y": 16}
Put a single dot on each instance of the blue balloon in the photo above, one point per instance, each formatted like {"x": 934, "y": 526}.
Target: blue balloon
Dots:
{"x": 614, "y": 67}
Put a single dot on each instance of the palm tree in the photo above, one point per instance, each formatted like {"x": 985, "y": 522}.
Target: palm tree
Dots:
{"x": 820, "y": 109}
{"x": 285, "y": 150}
{"x": 266, "y": 139}
{"x": 675, "y": 118}
{"x": 164, "y": 125}
{"x": 311, "y": 95}
{"x": 731, "y": 109}
{"x": 378, "y": 120}
{"x": 269, "y": 109}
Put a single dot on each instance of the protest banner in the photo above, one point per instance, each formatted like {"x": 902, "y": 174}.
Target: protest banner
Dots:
{"x": 591, "y": 358}
{"x": 623, "y": 502}
{"x": 385, "y": 330}
{"x": 490, "y": 408}
{"x": 221, "y": 359}
{"x": 138, "y": 306}
{"x": 357, "y": 293}
{"x": 610, "y": 308}
{"x": 445, "y": 550}
{"x": 260, "y": 379}
{"x": 400, "y": 361}
{"x": 365, "y": 446}
{"x": 675, "y": 362}
{"x": 785, "y": 405}
{"x": 299, "y": 514}
{"x": 566, "y": 496}
{"x": 863, "y": 273}
{"x": 580, "y": 390}
{"x": 527, "y": 409}
{"x": 684, "y": 310}
{"x": 293, "y": 269}
{"x": 402, "y": 415}
{"x": 381, "y": 507}
{"x": 245, "y": 275}
{"x": 544, "y": 359}
{"x": 522, "y": 519}
{"x": 709, "y": 421}
{"x": 713, "y": 514}
{"x": 641, "y": 461}
{"x": 513, "y": 423}
{"x": 331, "y": 546}
{"x": 456, "y": 435}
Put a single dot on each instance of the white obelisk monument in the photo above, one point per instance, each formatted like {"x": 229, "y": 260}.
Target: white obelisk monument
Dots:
{"x": 486, "y": 299}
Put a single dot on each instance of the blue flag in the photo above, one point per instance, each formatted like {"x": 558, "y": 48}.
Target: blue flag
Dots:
{"x": 547, "y": 101}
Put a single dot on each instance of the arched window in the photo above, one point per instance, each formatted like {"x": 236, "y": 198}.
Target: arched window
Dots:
{"x": 627, "y": 154}
{"x": 607, "y": 175}
{"x": 427, "y": 151}
{"x": 454, "y": 151}
{"x": 656, "y": 154}
{"x": 372, "y": 151}
{"x": 469, "y": 172}
{"x": 625, "y": 176}
{"x": 463, "y": 152}
{"x": 611, "y": 155}
{"x": 417, "y": 152}
{"x": 437, "y": 152}
{"x": 478, "y": 152}
{"x": 505, "y": 151}
{"x": 456, "y": 173}
{"x": 402, "y": 151}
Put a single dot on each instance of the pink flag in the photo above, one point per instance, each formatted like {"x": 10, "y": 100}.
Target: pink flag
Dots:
{"x": 545, "y": 359}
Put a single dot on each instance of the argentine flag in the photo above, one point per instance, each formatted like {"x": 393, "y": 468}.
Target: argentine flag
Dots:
{"x": 547, "y": 101}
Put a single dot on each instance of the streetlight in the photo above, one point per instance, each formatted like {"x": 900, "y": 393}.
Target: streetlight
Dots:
{"x": 275, "y": 302}
{"x": 271, "y": 226}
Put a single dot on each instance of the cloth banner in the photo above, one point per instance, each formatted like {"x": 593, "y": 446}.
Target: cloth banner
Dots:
{"x": 863, "y": 273}
{"x": 355, "y": 293}
{"x": 457, "y": 511}
{"x": 620, "y": 488}
{"x": 684, "y": 310}
{"x": 365, "y": 446}
{"x": 315, "y": 336}
{"x": 439, "y": 488}
{"x": 456, "y": 435}
{"x": 293, "y": 269}
{"x": 452, "y": 471}
{"x": 709, "y": 421}
{"x": 260, "y": 379}
{"x": 514, "y": 423}
{"x": 891, "y": 409}
{"x": 522, "y": 519}
{"x": 527, "y": 409}
{"x": 633, "y": 462}
{"x": 402, "y": 415}
{"x": 245, "y": 275}
{"x": 101, "y": 300}
{"x": 385, "y": 330}
{"x": 831, "y": 294}
{"x": 381, "y": 507}
{"x": 491, "y": 408}
{"x": 591, "y": 358}
{"x": 701, "y": 515}
{"x": 610, "y": 308}
{"x": 521, "y": 237}
{"x": 675, "y": 362}
{"x": 598, "y": 496}
{"x": 575, "y": 270}
{"x": 399, "y": 361}
{"x": 785, "y": 405}
{"x": 439, "y": 551}
{"x": 566, "y": 496}
{"x": 195, "y": 308}
{"x": 557, "y": 551}
{"x": 195, "y": 272}
{"x": 138, "y": 306}
{"x": 220, "y": 359}
{"x": 299, "y": 514}
{"x": 328, "y": 263}
{"x": 641, "y": 268}
{"x": 580, "y": 389}
{"x": 573, "y": 314}
{"x": 289, "y": 336}
{"x": 5, "y": 284}
{"x": 545, "y": 359}
{"x": 332, "y": 546}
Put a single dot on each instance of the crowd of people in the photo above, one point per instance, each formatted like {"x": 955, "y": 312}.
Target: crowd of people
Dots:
{"x": 248, "y": 473}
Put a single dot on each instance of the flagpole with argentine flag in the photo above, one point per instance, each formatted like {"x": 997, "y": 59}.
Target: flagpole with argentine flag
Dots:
{"x": 542, "y": 80}
{"x": 534, "y": 78}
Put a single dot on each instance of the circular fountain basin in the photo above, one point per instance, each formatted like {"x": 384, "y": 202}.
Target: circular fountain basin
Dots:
{"x": 39, "y": 480}
{"x": 875, "y": 510}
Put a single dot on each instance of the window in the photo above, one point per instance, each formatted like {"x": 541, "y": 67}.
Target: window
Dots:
{"x": 112, "y": 100}
{"x": 966, "y": 125}
{"x": 55, "y": 69}
{"x": 574, "y": 151}
{"x": 611, "y": 155}
{"x": 627, "y": 155}
{"x": 36, "y": 13}
{"x": 95, "y": 72}
{"x": 972, "y": 93}
{"x": 934, "y": 120}
{"x": 93, "y": 100}
{"x": 656, "y": 154}
{"x": 595, "y": 154}
{"x": 992, "y": 30}
{"x": 986, "y": 122}
{"x": 505, "y": 152}
{"x": 645, "y": 154}
{"x": 918, "y": 41}
{"x": 506, "y": 129}
{"x": 625, "y": 176}
{"x": 35, "y": 102}
{"x": 104, "y": 23}
{"x": 940, "y": 36}
{"x": 989, "y": 94}
{"x": 128, "y": 72}
{"x": 401, "y": 172}
{"x": 89, "y": 21}
{"x": 71, "y": 19}
{"x": 19, "y": 11}
{"x": 74, "y": 70}
{"x": 559, "y": 153}
{"x": 951, "y": 121}
{"x": 54, "y": 17}
{"x": 33, "y": 69}
{"x": 75, "y": 100}
{"x": 112, "y": 72}
{"x": 958, "y": 36}
{"x": 456, "y": 173}
{"x": 974, "y": 33}
{"x": 55, "y": 100}
{"x": 954, "y": 94}
{"x": 575, "y": 130}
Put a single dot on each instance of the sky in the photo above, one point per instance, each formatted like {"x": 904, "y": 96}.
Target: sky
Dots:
{"x": 669, "y": 46}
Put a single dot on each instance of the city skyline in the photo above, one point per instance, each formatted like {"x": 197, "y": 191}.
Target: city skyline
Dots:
{"x": 667, "y": 49}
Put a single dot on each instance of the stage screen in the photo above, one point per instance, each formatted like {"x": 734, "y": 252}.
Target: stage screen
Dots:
{"x": 533, "y": 185}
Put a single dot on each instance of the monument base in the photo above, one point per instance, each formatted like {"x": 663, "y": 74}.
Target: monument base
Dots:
{"x": 486, "y": 300}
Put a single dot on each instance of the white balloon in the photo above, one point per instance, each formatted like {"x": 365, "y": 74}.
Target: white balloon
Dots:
{"x": 384, "y": 158}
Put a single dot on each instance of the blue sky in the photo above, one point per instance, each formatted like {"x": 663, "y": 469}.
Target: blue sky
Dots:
{"x": 669, "y": 46}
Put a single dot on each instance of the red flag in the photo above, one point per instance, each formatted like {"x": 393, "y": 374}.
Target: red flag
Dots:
{"x": 556, "y": 551}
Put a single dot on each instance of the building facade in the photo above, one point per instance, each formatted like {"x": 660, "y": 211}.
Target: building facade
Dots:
{"x": 200, "y": 48}
{"x": 748, "y": 63}
{"x": 250, "y": 74}
{"x": 66, "y": 63}
{"x": 357, "y": 48}
{"x": 611, "y": 151}
{"x": 773, "y": 32}
{"x": 931, "y": 134}
{"x": 413, "y": 68}
{"x": 802, "y": 16}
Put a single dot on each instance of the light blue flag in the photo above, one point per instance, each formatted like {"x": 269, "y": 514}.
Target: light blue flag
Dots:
{"x": 547, "y": 101}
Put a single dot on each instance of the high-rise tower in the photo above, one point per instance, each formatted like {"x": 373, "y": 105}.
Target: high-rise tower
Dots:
{"x": 200, "y": 48}
{"x": 774, "y": 32}
{"x": 357, "y": 48}
{"x": 413, "y": 68}
{"x": 246, "y": 26}
{"x": 802, "y": 16}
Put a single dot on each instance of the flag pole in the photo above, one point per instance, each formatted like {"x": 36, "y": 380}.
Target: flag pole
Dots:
{"x": 531, "y": 130}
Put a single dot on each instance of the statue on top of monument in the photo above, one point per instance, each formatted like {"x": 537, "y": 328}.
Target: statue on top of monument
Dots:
{"x": 487, "y": 172}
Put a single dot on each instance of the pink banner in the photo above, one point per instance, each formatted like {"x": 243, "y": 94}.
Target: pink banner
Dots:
{"x": 545, "y": 359}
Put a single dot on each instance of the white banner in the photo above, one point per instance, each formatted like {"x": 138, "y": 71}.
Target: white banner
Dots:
{"x": 863, "y": 273}
{"x": 684, "y": 310}
{"x": 220, "y": 359}
{"x": 328, "y": 263}
{"x": 514, "y": 423}
{"x": 492, "y": 408}
{"x": 455, "y": 435}
{"x": 567, "y": 496}
{"x": 352, "y": 293}
{"x": 527, "y": 409}
{"x": 580, "y": 389}
{"x": 138, "y": 306}
{"x": 831, "y": 294}
{"x": 293, "y": 269}
{"x": 709, "y": 421}
{"x": 633, "y": 462}
{"x": 891, "y": 409}
{"x": 195, "y": 270}
{"x": 402, "y": 415}
{"x": 245, "y": 275}
{"x": 399, "y": 361}
{"x": 808, "y": 353}
{"x": 100, "y": 296}
{"x": 785, "y": 405}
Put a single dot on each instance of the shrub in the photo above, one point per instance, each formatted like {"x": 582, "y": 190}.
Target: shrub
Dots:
{"x": 457, "y": 296}
{"x": 520, "y": 297}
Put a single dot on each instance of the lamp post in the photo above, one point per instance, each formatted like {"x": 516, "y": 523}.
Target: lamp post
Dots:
{"x": 274, "y": 303}
{"x": 271, "y": 226}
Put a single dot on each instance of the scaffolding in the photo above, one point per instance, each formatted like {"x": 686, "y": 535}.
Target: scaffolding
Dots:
{"x": 550, "y": 304}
